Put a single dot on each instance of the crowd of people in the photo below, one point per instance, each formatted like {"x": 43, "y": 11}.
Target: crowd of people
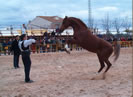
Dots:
{"x": 48, "y": 43}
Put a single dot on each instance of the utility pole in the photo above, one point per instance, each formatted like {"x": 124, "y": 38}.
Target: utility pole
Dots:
{"x": 89, "y": 14}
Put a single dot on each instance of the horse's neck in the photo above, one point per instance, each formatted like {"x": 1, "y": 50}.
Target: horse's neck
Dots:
{"x": 77, "y": 26}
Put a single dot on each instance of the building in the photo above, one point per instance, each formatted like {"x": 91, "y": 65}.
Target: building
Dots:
{"x": 49, "y": 23}
{"x": 45, "y": 22}
{"x": 38, "y": 26}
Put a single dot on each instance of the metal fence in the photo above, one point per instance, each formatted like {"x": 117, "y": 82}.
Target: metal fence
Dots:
{"x": 58, "y": 47}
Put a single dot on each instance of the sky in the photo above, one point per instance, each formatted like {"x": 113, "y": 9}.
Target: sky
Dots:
{"x": 21, "y": 11}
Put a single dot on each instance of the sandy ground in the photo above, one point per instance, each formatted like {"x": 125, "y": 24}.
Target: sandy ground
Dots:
{"x": 63, "y": 75}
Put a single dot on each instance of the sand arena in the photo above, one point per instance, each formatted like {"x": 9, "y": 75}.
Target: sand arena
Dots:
{"x": 62, "y": 75}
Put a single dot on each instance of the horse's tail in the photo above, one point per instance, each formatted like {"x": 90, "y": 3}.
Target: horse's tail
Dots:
{"x": 116, "y": 49}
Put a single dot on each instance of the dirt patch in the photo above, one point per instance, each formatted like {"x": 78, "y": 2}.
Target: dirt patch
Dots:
{"x": 63, "y": 75}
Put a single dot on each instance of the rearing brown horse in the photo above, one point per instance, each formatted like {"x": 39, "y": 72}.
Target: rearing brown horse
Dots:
{"x": 84, "y": 37}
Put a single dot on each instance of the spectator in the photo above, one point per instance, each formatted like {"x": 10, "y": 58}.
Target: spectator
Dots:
{"x": 53, "y": 41}
{"x": 37, "y": 45}
{"x": 9, "y": 46}
{"x": 5, "y": 47}
{"x": 123, "y": 39}
{"x": 58, "y": 32}
{"x": 0, "y": 48}
{"x": 45, "y": 34}
{"x": 41, "y": 45}
{"x": 53, "y": 34}
{"x": 24, "y": 29}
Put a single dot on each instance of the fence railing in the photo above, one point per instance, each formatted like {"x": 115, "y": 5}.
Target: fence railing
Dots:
{"x": 42, "y": 48}
{"x": 126, "y": 43}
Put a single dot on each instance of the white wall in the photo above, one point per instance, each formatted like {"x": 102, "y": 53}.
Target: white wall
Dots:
{"x": 70, "y": 32}
{"x": 39, "y": 22}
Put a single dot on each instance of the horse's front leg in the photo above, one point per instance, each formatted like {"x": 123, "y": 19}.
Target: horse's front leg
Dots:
{"x": 71, "y": 41}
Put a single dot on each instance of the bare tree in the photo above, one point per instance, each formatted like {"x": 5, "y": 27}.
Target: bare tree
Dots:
{"x": 106, "y": 24}
{"x": 126, "y": 24}
{"x": 94, "y": 25}
{"x": 117, "y": 24}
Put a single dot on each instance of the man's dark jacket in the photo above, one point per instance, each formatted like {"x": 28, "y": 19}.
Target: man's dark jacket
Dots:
{"x": 15, "y": 47}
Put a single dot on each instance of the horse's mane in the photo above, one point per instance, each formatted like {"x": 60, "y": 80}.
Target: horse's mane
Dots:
{"x": 79, "y": 21}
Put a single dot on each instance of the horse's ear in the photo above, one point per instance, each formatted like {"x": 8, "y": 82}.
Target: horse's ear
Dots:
{"x": 65, "y": 17}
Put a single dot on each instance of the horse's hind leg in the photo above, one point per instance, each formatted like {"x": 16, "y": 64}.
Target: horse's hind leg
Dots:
{"x": 101, "y": 63}
{"x": 108, "y": 65}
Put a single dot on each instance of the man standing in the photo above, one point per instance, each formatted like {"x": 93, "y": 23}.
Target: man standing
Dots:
{"x": 16, "y": 52}
{"x": 24, "y": 28}
{"x": 25, "y": 51}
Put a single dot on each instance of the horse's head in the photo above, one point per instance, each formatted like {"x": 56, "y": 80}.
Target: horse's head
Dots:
{"x": 65, "y": 24}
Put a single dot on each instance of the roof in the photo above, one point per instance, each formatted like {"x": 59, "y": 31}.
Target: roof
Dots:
{"x": 54, "y": 19}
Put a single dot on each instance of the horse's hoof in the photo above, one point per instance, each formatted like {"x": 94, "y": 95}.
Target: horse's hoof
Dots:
{"x": 93, "y": 78}
{"x": 99, "y": 77}
{"x": 68, "y": 52}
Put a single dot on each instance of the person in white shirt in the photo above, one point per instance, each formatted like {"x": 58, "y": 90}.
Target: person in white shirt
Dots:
{"x": 25, "y": 51}
{"x": 24, "y": 29}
